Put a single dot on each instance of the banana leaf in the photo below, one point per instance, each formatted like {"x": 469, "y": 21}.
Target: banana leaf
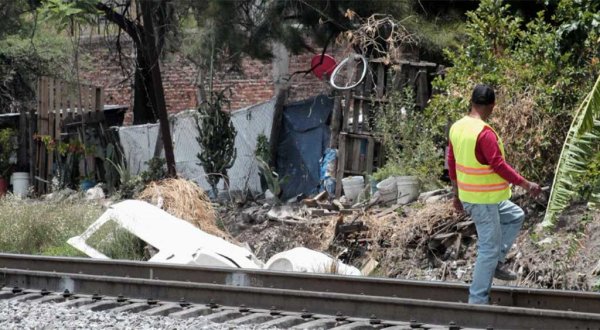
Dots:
{"x": 577, "y": 149}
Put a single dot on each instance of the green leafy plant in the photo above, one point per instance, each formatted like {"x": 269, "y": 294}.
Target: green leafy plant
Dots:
{"x": 271, "y": 177}
{"x": 578, "y": 148}
{"x": 7, "y": 148}
{"x": 538, "y": 81}
{"x": 129, "y": 185}
{"x": 216, "y": 137}
{"x": 67, "y": 155}
{"x": 156, "y": 170}
{"x": 263, "y": 148}
{"x": 408, "y": 144}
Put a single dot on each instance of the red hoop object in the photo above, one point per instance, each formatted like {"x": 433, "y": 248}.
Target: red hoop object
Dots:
{"x": 327, "y": 66}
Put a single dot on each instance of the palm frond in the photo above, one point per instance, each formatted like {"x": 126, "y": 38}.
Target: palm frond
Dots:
{"x": 576, "y": 151}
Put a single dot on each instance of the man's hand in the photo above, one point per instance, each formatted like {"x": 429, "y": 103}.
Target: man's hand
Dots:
{"x": 532, "y": 188}
{"x": 457, "y": 205}
{"x": 456, "y": 202}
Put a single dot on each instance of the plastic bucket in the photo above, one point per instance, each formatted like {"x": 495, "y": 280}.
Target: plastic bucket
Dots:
{"x": 304, "y": 260}
{"x": 353, "y": 186}
{"x": 388, "y": 189}
{"x": 408, "y": 189}
{"x": 20, "y": 182}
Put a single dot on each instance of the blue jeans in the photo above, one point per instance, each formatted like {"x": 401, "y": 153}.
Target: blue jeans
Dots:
{"x": 497, "y": 227}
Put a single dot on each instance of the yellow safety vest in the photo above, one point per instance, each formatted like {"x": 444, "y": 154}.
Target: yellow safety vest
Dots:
{"x": 477, "y": 183}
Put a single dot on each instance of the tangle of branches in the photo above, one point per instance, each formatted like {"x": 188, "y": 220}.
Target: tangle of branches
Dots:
{"x": 379, "y": 37}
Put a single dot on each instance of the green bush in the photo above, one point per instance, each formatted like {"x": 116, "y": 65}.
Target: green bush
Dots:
{"x": 409, "y": 145}
{"x": 539, "y": 72}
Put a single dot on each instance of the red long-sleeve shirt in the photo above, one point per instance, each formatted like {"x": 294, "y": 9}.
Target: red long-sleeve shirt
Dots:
{"x": 487, "y": 152}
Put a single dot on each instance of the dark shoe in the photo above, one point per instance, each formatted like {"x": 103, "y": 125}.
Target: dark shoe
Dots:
{"x": 502, "y": 273}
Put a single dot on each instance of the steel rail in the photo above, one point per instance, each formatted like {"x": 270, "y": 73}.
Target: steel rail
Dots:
{"x": 388, "y": 308}
{"x": 580, "y": 301}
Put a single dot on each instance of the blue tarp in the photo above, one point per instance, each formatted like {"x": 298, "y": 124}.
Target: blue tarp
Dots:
{"x": 303, "y": 139}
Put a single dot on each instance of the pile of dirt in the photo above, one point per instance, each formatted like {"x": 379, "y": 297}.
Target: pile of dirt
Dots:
{"x": 567, "y": 258}
{"x": 430, "y": 241}
{"x": 267, "y": 237}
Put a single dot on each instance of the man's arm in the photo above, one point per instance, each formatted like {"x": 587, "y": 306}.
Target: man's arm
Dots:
{"x": 487, "y": 148}
{"x": 452, "y": 174}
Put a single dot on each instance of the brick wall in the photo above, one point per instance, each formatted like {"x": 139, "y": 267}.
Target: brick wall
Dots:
{"x": 253, "y": 86}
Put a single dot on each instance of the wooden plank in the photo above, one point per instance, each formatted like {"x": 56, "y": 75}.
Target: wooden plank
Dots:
{"x": 43, "y": 118}
{"x": 84, "y": 110}
{"x": 78, "y": 99}
{"x": 22, "y": 151}
{"x": 370, "y": 152}
{"x": 71, "y": 103}
{"x": 355, "y": 159}
{"x": 355, "y": 114}
{"x": 341, "y": 164}
{"x": 336, "y": 122}
{"x": 58, "y": 85}
{"x": 31, "y": 123}
{"x": 91, "y": 105}
{"x": 346, "y": 112}
{"x": 422, "y": 89}
{"x": 367, "y": 116}
{"x": 35, "y": 124}
{"x": 50, "y": 95}
{"x": 99, "y": 99}
{"x": 371, "y": 99}
{"x": 51, "y": 122}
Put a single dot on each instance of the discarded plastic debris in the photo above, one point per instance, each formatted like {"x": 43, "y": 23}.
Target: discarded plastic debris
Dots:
{"x": 301, "y": 259}
{"x": 353, "y": 186}
{"x": 177, "y": 241}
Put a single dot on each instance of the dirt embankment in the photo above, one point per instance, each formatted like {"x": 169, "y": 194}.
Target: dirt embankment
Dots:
{"x": 429, "y": 241}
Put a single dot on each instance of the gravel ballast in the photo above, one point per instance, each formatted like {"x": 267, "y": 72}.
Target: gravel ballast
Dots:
{"x": 15, "y": 315}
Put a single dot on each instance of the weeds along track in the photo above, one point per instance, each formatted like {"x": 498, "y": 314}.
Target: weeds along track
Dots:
{"x": 286, "y": 300}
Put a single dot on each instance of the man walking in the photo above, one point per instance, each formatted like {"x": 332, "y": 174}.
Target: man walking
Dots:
{"x": 480, "y": 179}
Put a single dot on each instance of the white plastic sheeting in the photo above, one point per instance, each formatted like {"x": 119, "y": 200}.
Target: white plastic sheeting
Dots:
{"x": 177, "y": 240}
{"x": 139, "y": 142}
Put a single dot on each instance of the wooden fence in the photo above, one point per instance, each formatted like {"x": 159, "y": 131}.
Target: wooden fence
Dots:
{"x": 62, "y": 107}
{"x": 352, "y": 128}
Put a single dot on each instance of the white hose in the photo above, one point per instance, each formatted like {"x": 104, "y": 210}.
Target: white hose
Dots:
{"x": 342, "y": 63}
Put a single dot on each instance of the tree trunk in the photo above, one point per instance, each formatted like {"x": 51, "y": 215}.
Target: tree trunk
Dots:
{"x": 143, "y": 113}
{"x": 156, "y": 91}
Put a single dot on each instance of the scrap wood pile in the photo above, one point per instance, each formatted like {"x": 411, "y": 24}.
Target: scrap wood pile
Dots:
{"x": 428, "y": 234}
{"x": 428, "y": 237}
{"x": 423, "y": 234}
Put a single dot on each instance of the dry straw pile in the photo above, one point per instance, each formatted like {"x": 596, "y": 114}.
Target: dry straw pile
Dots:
{"x": 185, "y": 200}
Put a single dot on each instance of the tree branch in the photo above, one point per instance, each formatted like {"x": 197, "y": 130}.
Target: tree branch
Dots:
{"x": 133, "y": 30}
{"x": 320, "y": 60}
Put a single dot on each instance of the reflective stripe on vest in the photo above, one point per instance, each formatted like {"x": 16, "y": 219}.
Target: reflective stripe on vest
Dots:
{"x": 477, "y": 183}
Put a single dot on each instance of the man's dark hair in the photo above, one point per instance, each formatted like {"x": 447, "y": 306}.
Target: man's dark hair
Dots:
{"x": 483, "y": 95}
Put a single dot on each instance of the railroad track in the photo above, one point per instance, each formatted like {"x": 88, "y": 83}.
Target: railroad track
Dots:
{"x": 325, "y": 301}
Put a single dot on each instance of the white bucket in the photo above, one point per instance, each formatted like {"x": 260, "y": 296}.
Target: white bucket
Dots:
{"x": 388, "y": 189}
{"x": 301, "y": 259}
{"x": 20, "y": 182}
{"x": 353, "y": 186}
{"x": 408, "y": 189}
